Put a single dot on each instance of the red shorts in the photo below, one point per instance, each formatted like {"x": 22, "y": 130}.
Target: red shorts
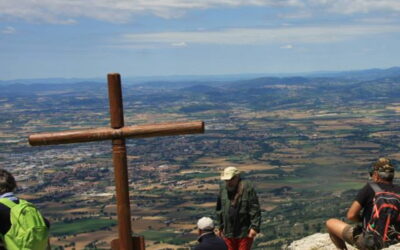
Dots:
{"x": 239, "y": 243}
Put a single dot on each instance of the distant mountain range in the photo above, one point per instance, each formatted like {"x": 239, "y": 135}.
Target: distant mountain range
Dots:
{"x": 203, "y": 83}
{"x": 30, "y": 88}
{"x": 368, "y": 74}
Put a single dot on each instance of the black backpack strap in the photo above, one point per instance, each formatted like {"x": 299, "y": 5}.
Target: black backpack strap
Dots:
{"x": 375, "y": 187}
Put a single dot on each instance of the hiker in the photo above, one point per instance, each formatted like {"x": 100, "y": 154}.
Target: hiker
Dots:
{"x": 238, "y": 211}
{"x": 376, "y": 206}
{"x": 20, "y": 218}
{"x": 207, "y": 238}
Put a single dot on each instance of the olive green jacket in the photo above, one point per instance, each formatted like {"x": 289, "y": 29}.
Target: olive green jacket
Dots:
{"x": 248, "y": 216}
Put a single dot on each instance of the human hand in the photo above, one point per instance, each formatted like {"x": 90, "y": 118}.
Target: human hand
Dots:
{"x": 252, "y": 233}
{"x": 220, "y": 233}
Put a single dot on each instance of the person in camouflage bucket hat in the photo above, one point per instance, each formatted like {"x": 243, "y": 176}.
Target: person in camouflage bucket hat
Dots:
{"x": 384, "y": 168}
{"x": 361, "y": 210}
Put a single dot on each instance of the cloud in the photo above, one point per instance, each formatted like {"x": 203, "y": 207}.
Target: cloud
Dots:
{"x": 179, "y": 44}
{"x": 297, "y": 15}
{"x": 62, "y": 11}
{"x": 67, "y": 11}
{"x": 8, "y": 30}
{"x": 288, "y": 46}
{"x": 378, "y": 20}
{"x": 287, "y": 35}
{"x": 357, "y": 6}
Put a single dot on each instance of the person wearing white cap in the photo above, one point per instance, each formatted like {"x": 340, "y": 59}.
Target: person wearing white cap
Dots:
{"x": 238, "y": 211}
{"x": 207, "y": 239}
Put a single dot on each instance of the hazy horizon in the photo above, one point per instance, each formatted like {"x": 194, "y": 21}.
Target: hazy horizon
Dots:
{"x": 216, "y": 77}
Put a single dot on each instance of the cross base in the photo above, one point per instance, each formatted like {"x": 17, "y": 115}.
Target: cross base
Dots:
{"x": 137, "y": 242}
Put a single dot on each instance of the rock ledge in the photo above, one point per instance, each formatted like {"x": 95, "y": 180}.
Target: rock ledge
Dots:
{"x": 321, "y": 241}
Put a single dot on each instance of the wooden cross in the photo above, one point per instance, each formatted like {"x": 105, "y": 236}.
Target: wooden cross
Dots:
{"x": 117, "y": 133}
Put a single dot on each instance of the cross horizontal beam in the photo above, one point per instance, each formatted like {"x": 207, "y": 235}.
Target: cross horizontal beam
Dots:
{"x": 100, "y": 134}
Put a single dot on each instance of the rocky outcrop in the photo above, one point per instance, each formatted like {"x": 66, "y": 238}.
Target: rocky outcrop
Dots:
{"x": 321, "y": 241}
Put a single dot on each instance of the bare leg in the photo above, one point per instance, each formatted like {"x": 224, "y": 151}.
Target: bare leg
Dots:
{"x": 335, "y": 229}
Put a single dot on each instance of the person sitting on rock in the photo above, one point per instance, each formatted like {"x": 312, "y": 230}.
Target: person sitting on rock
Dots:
{"x": 377, "y": 207}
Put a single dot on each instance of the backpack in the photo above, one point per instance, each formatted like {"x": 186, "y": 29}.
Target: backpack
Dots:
{"x": 28, "y": 229}
{"x": 383, "y": 228}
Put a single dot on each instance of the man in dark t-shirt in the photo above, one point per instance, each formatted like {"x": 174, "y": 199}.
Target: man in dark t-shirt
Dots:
{"x": 366, "y": 195}
{"x": 382, "y": 174}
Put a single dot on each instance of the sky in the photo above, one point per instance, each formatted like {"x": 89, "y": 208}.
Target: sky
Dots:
{"x": 90, "y": 38}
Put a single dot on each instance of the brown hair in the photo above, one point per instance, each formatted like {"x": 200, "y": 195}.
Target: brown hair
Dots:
{"x": 7, "y": 182}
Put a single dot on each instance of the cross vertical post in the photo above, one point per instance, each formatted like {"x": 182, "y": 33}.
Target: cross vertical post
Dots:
{"x": 120, "y": 162}
{"x": 117, "y": 133}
